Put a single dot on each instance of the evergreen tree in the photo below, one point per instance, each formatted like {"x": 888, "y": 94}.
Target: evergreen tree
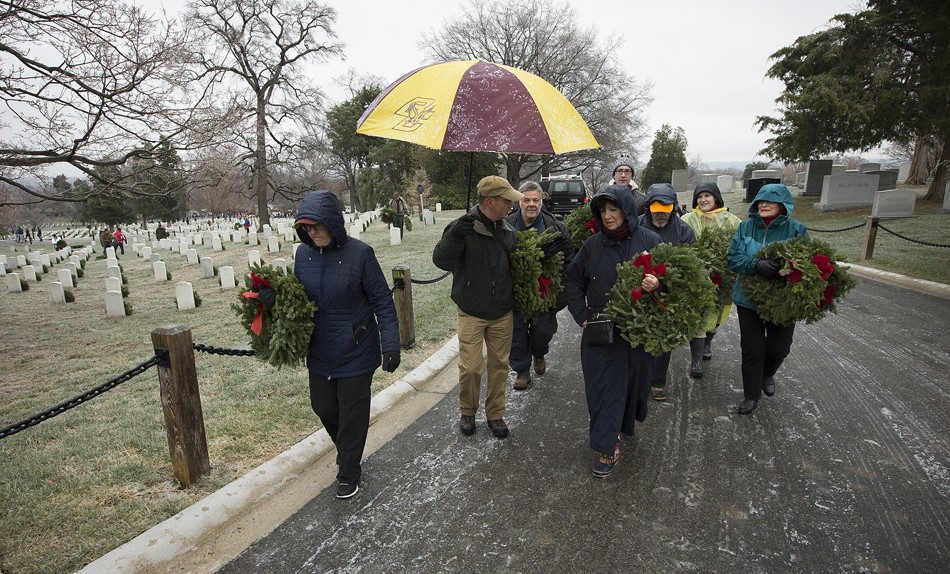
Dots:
{"x": 668, "y": 153}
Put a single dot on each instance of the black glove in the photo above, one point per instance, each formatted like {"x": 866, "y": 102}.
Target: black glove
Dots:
{"x": 464, "y": 226}
{"x": 390, "y": 361}
{"x": 267, "y": 297}
{"x": 767, "y": 268}
{"x": 553, "y": 247}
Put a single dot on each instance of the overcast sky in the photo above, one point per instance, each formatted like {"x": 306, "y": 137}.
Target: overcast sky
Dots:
{"x": 706, "y": 58}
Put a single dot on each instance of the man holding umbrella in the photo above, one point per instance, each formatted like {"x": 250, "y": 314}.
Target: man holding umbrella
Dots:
{"x": 475, "y": 248}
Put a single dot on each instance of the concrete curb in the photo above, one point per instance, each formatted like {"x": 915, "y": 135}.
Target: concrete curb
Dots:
{"x": 922, "y": 285}
{"x": 180, "y": 533}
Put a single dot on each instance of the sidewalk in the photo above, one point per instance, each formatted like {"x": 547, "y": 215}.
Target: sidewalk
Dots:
{"x": 846, "y": 469}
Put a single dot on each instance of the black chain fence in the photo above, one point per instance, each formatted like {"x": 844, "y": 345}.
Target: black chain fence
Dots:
{"x": 834, "y": 230}
{"x": 399, "y": 282}
{"x": 221, "y": 351}
{"x": 78, "y": 400}
{"x": 912, "y": 240}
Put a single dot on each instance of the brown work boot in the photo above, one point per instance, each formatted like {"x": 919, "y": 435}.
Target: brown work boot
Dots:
{"x": 521, "y": 383}
{"x": 498, "y": 428}
{"x": 540, "y": 365}
{"x": 467, "y": 425}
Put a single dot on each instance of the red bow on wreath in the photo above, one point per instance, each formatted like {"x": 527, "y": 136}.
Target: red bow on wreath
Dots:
{"x": 645, "y": 262}
{"x": 795, "y": 275}
{"x": 257, "y": 283}
{"x": 592, "y": 226}
{"x": 716, "y": 279}
{"x": 544, "y": 282}
{"x": 824, "y": 265}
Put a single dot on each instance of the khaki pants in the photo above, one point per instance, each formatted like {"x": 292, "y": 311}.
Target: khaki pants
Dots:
{"x": 474, "y": 335}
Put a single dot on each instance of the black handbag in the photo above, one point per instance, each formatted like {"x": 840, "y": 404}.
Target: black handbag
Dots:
{"x": 599, "y": 332}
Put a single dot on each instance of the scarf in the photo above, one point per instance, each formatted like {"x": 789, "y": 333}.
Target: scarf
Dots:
{"x": 619, "y": 233}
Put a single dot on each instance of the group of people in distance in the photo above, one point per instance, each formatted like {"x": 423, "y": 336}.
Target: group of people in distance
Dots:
{"x": 356, "y": 329}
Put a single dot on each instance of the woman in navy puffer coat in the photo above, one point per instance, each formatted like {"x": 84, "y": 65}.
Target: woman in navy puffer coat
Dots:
{"x": 354, "y": 329}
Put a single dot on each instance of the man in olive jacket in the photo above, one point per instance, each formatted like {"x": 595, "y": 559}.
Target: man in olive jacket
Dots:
{"x": 476, "y": 248}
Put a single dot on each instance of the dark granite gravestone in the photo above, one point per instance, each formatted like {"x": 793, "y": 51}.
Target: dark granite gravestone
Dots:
{"x": 755, "y": 184}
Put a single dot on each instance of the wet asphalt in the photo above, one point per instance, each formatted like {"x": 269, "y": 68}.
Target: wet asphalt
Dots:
{"x": 845, "y": 469}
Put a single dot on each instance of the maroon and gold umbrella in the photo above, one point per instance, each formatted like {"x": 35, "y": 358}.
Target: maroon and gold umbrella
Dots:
{"x": 477, "y": 106}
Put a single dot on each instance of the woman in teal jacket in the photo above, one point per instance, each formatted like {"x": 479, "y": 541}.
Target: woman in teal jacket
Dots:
{"x": 764, "y": 345}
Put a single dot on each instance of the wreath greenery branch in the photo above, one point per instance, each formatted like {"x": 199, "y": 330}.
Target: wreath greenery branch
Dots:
{"x": 712, "y": 247}
{"x": 580, "y": 224}
{"x": 286, "y": 327}
{"x": 671, "y": 316}
{"x": 537, "y": 280}
{"x": 809, "y": 284}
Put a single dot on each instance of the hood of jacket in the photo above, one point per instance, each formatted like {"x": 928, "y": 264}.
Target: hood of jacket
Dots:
{"x": 710, "y": 188}
{"x": 662, "y": 192}
{"x": 323, "y": 207}
{"x": 622, "y": 196}
{"x": 776, "y": 193}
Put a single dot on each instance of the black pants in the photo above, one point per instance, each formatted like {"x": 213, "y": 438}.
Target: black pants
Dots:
{"x": 764, "y": 347}
{"x": 661, "y": 366}
{"x": 343, "y": 407}
{"x": 530, "y": 339}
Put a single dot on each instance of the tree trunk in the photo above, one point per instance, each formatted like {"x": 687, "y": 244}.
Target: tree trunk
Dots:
{"x": 513, "y": 162}
{"x": 260, "y": 160}
{"x": 938, "y": 185}
{"x": 919, "y": 162}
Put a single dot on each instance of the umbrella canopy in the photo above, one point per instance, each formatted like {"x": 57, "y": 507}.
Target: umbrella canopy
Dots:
{"x": 477, "y": 106}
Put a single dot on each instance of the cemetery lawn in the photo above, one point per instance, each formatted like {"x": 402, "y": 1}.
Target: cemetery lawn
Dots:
{"x": 80, "y": 484}
{"x": 891, "y": 253}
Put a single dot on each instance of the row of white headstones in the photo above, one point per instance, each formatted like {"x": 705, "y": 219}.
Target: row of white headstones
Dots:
{"x": 183, "y": 244}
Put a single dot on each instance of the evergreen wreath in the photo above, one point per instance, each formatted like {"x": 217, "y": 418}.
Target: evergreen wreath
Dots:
{"x": 712, "y": 247}
{"x": 580, "y": 224}
{"x": 537, "y": 281}
{"x": 279, "y": 335}
{"x": 809, "y": 284}
{"x": 669, "y": 317}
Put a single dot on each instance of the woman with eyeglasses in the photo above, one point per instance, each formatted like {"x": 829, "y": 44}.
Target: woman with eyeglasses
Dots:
{"x": 354, "y": 329}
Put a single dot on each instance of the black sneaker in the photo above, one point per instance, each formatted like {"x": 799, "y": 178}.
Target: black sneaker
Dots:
{"x": 346, "y": 489}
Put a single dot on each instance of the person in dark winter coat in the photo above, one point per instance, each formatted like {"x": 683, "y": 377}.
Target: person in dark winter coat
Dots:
{"x": 475, "y": 248}
{"x": 616, "y": 375}
{"x": 530, "y": 341}
{"x": 355, "y": 328}
{"x": 764, "y": 345}
{"x": 661, "y": 217}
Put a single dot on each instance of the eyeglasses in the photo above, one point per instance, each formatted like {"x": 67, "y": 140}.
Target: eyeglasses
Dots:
{"x": 623, "y": 171}
{"x": 318, "y": 227}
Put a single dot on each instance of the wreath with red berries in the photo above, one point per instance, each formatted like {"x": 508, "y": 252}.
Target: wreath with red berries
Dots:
{"x": 669, "y": 317}
{"x": 537, "y": 281}
{"x": 809, "y": 284}
{"x": 580, "y": 225}
{"x": 279, "y": 335}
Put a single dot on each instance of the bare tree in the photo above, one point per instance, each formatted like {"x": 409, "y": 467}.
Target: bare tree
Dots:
{"x": 544, "y": 38}
{"x": 91, "y": 85}
{"x": 258, "y": 48}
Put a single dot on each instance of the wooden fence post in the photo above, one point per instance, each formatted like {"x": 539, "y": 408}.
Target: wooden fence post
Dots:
{"x": 870, "y": 235}
{"x": 181, "y": 403}
{"x": 402, "y": 278}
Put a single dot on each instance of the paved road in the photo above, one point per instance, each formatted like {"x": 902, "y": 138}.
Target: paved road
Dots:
{"x": 845, "y": 469}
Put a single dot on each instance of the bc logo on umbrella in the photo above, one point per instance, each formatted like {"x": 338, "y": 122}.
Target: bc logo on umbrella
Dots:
{"x": 477, "y": 106}
{"x": 415, "y": 112}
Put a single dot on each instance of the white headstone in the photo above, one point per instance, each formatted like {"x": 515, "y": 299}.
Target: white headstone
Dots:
{"x": 850, "y": 189}
{"x": 72, "y": 270}
{"x": 55, "y": 290}
{"x": 266, "y": 230}
{"x": 293, "y": 250}
{"x": 946, "y": 196}
{"x": 145, "y": 252}
{"x": 770, "y": 173}
{"x": 185, "y": 296}
{"x": 154, "y": 257}
{"x": 115, "y": 306}
{"x": 13, "y": 282}
{"x": 273, "y": 244}
{"x": 679, "y": 179}
{"x": 216, "y": 244}
{"x": 355, "y": 230}
{"x": 66, "y": 278}
{"x": 894, "y": 203}
{"x": 280, "y": 263}
{"x": 866, "y": 167}
{"x": 20, "y": 260}
{"x": 428, "y": 217}
{"x": 252, "y": 238}
{"x": 192, "y": 256}
{"x": 254, "y": 257}
{"x": 227, "y": 277}
{"x": 158, "y": 268}
{"x": 903, "y": 172}
{"x": 110, "y": 252}
{"x": 395, "y": 237}
{"x": 29, "y": 273}
{"x": 836, "y": 169}
{"x": 724, "y": 183}
{"x": 238, "y": 236}
{"x": 113, "y": 284}
{"x": 207, "y": 268}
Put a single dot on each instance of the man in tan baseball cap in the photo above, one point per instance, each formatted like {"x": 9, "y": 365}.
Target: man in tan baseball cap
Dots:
{"x": 475, "y": 249}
